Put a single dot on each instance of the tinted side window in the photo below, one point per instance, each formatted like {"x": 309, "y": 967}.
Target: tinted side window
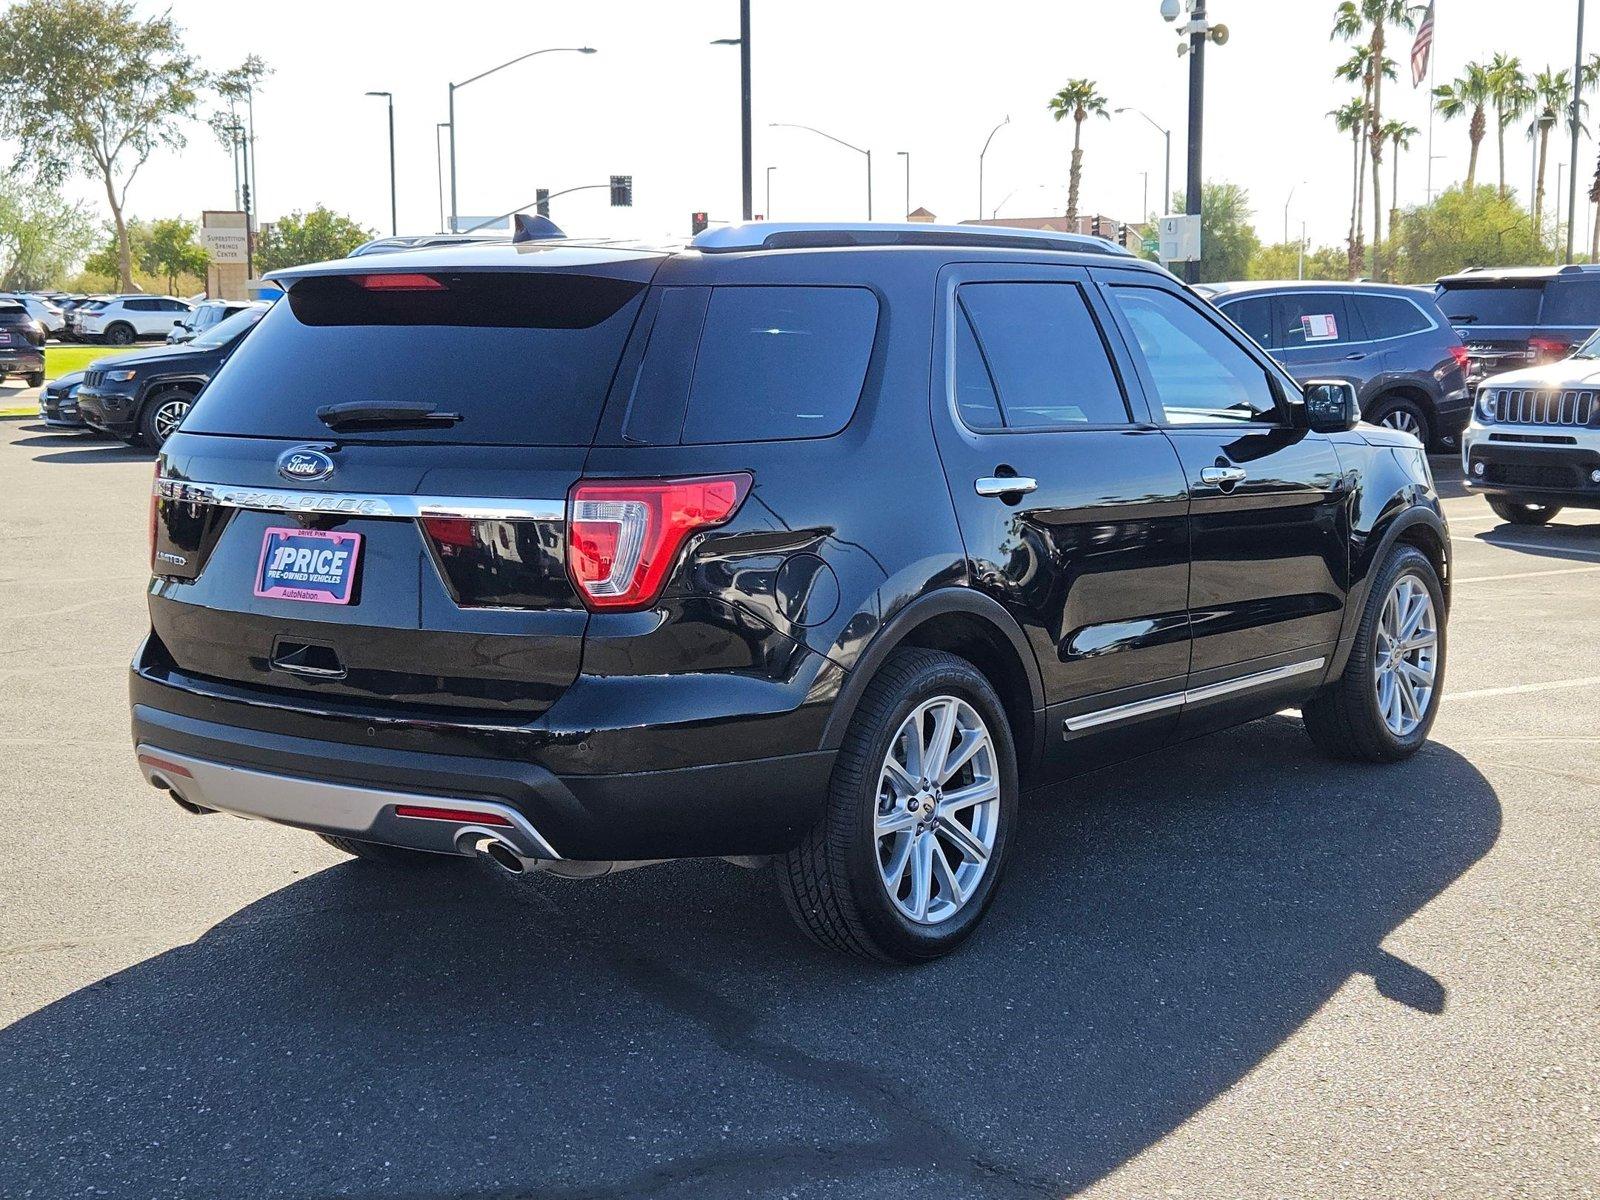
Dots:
{"x": 1045, "y": 354}
{"x": 1201, "y": 375}
{"x": 976, "y": 400}
{"x": 1572, "y": 302}
{"x": 1312, "y": 319}
{"x": 1390, "y": 316}
{"x": 780, "y": 362}
{"x": 1253, "y": 315}
{"x": 1491, "y": 305}
{"x": 139, "y": 305}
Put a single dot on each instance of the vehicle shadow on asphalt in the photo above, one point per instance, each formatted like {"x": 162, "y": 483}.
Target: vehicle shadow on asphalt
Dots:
{"x": 78, "y": 446}
{"x": 438, "y": 1033}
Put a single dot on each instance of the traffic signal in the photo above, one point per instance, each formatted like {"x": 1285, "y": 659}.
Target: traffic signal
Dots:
{"x": 246, "y": 196}
{"x": 698, "y": 222}
{"x": 1122, "y": 233}
{"x": 541, "y": 201}
{"x": 1094, "y": 228}
{"x": 622, "y": 191}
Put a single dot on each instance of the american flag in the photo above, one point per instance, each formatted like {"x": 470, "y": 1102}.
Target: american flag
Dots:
{"x": 1422, "y": 48}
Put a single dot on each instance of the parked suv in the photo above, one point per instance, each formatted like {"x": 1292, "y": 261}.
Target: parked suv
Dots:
{"x": 206, "y": 314}
{"x": 21, "y": 344}
{"x": 574, "y": 556}
{"x": 1534, "y": 444}
{"x": 123, "y": 320}
{"x": 1512, "y": 317}
{"x": 1392, "y": 343}
{"x": 141, "y": 397}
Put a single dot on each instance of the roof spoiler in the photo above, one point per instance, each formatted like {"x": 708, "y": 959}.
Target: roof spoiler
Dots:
{"x": 527, "y": 227}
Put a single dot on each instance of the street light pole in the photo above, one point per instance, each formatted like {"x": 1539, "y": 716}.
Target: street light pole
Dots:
{"x": 438, "y": 162}
{"x": 842, "y": 142}
{"x": 1577, "y": 109}
{"x": 1166, "y": 134}
{"x": 768, "y": 212}
{"x": 394, "y": 210}
{"x": 743, "y": 42}
{"x": 454, "y": 87}
{"x": 906, "y": 154}
{"x": 1197, "y": 108}
{"x": 981, "y": 154}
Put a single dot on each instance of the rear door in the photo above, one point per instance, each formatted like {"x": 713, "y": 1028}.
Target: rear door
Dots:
{"x": 452, "y": 590}
{"x": 1318, "y": 335}
{"x": 1267, "y": 519}
{"x": 1089, "y": 551}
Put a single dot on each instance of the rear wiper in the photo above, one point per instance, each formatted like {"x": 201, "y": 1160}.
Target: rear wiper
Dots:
{"x": 1464, "y": 318}
{"x": 383, "y": 414}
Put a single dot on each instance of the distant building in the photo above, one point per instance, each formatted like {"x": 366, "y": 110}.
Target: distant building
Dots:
{"x": 921, "y": 216}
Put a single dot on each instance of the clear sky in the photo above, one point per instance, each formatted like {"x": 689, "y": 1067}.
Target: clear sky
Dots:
{"x": 931, "y": 78}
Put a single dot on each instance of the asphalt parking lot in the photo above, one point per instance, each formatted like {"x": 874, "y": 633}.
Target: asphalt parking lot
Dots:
{"x": 1233, "y": 970}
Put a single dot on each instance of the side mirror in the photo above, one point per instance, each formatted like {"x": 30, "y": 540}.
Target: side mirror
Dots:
{"x": 1332, "y": 405}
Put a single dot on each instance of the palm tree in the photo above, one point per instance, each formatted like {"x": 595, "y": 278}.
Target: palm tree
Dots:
{"x": 1594, "y": 198}
{"x": 1512, "y": 98}
{"x": 1465, "y": 97}
{"x": 1078, "y": 100}
{"x": 1370, "y": 20}
{"x": 1352, "y": 119}
{"x": 1399, "y": 134}
{"x": 1552, "y": 96}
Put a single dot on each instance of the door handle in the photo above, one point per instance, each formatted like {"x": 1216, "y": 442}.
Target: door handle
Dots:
{"x": 1004, "y": 485}
{"x": 1354, "y": 357}
{"x": 1222, "y": 477}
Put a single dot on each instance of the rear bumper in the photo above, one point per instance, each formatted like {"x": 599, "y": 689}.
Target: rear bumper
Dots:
{"x": 21, "y": 362}
{"x": 761, "y": 806}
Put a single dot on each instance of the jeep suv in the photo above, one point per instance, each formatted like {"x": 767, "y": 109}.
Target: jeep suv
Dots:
{"x": 1408, "y": 366}
{"x": 805, "y": 546}
{"x": 1511, "y": 317}
{"x": 1533, "y": 447}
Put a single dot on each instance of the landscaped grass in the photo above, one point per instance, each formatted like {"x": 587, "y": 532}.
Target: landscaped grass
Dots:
{"x": 64, "y": 359}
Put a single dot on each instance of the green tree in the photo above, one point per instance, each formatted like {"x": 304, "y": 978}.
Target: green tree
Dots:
{"x": 1351, "y": 118}
{"x": 1283, "y": 261}
{"x": 304, "y": 237}
{"x": 1228, "y": 239}
{"x": 1552, "y": 92}
{"x": 170, "y": 250}
{"x": 1362, "y": 67}
{"x": 107, "y": 259}
{"x": 1464, "y": 227}
{"x": 42, "y": 236}
{"x": 1467, "y": 97}
{"x": 1079, "y": 100}
{"x": 87, "y": 86}
{"x": 1512, "y": 97}
{"x": 1399, "y": 134}
{"x": 1371, "y": 20}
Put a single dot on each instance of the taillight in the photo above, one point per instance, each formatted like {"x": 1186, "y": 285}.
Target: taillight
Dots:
{"x": 1462, "y": 356}
{"x": 155, "y": 488}
{"x": 1542, "y": 349}
{"x": 623, "y": 536}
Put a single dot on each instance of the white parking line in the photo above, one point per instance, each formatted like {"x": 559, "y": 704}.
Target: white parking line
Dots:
{"x": 1539, "y": 546}
{"x": 1524, "y": 688}
{"x": 1528, "y": 574}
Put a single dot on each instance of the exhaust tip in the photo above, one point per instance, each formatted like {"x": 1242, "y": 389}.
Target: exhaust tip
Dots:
{"x": 500, "y": 853}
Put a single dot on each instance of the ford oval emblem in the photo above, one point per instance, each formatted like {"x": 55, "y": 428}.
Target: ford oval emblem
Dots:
{"x": 304, "y": 465}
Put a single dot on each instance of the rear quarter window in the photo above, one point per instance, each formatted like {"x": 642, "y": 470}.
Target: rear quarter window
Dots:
{"x": 777, "y": 363}
{"x": 1572, "y": 302}
{"x": 1390, "y": 316}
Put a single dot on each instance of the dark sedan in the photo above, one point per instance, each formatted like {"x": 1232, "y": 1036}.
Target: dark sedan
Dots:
{"x": 141, "y": 397}
{"x": 58, "y": 401}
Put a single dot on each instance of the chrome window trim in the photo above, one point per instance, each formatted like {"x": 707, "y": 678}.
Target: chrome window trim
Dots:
{"x": 360, "y": 504}
{"x": 1211, "y": 691}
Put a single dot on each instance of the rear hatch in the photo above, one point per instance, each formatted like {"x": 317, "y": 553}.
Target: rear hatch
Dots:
{"x": 1495, "y": 319}
{"x": 407, "y": 545}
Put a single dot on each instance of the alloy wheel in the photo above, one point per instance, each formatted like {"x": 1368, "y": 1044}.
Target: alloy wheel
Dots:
{"x": 1406, "y": 656}
{"x": 168, "y": 415}
{"x": 1404, "y": 420}
{"x": 938, "y": 810}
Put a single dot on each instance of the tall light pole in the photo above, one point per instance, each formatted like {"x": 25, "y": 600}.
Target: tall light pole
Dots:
{"x": 438, "y": 161}
{"x": 842, "y": 142}
{"x": 743, "y": 42}
{"x": 768, "y": 212}
{"x": 455, "y": 87}
{"x": 1560, "y": 170}
{"x": 906, "y": 154}
{"x": 1197, "y": 120}
{"x": 1166, "y": 134}
{"x": 1288, "y": 201}
{"x": 1577, "y": 111}
{"x": 981, "y": 154}
{"x": 394, "y": 210}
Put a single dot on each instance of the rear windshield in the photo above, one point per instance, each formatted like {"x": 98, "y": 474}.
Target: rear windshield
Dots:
{"x": 524, "y": 357}
{"x": 1491, "y": 305}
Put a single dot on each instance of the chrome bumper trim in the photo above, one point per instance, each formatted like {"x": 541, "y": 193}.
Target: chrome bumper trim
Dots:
{"x": 338, "y": 808}
{"x": 361, "y": 504}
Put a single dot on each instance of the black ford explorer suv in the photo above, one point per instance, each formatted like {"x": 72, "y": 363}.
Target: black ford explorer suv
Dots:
{"x": 1407, "y": 364}
{"x": 141, "y": 397}
{"x": 1513, "y": 317}
{"x": 801, "y": 545}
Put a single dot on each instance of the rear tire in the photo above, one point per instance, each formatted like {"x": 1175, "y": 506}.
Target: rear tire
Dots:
{"x": 36, "y": 379}
{"x": 119, "y": 334}
{"x": 389, "y": 856}
{"x": 886, "y": 847}
{"x": 1406, "y": 416}
{"x": 1355, "y": 717}
{"x": 1523, "y": 512}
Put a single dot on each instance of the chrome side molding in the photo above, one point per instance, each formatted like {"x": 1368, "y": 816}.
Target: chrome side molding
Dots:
{"x": 354, "y": 504}
{"x": 1211, "y": 691}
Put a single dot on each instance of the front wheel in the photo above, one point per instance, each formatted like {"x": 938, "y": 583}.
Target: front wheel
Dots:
{"x": 120, "y": 335}
{"x": 907, "y": 855}
{"x": 1523, "y": 512}
{"x": 1383, "y": 705}
{"x": 161, "y": 418}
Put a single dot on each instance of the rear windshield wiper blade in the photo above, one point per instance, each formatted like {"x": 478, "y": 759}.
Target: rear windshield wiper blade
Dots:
{"x": 383, "y": 414}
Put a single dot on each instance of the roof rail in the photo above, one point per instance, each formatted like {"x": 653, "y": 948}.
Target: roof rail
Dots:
{"x": 784, "y": 235}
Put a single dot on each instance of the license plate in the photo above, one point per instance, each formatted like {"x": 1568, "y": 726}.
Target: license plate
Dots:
{"x": 316, "y": 565}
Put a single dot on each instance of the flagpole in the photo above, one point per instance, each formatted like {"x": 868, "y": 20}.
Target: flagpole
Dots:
{"x": 1432, "y": 59}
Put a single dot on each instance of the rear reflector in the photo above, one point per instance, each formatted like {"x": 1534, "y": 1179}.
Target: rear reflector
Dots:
{"x": 623, "y": 536}
{"x": 161, "y": 764}
{"x": 401, "y": 283}
{"x": 458, "y": 816}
